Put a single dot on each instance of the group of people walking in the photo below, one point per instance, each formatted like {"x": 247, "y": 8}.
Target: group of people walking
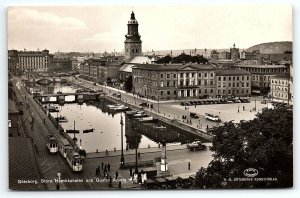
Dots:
{"x": 103, "y": 168}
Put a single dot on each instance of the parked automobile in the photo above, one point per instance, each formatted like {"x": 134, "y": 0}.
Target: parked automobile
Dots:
{"x": 237, "y": 101}
{"x": 144, "y": 104}
{"x": 194, "y": 115}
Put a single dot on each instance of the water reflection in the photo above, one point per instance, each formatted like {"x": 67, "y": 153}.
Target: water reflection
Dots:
{"x": 107, "y": 133}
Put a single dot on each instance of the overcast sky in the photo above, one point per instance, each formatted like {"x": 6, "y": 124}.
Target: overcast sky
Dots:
{"x": 161, "y": 27}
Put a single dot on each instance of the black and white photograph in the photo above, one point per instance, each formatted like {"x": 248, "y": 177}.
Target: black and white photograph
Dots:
{"x": 150, "y": 97}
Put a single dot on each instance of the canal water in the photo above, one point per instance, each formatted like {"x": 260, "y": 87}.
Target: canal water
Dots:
{"x": 106, "y": 125}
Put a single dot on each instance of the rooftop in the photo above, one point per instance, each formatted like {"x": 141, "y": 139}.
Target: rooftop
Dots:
{"x": 232, "y": 72}
{"x": 22, "y": 164}
{"x": 282, "y": 76}
{"x": 263, "y": 66}
{"x": 186, "y": 67}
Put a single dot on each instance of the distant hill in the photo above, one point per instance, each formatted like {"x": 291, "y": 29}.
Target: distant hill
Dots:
{"x": 273, "y": 47}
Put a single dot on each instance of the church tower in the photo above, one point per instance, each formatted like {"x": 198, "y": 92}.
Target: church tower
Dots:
{"x": 133, "y": 43}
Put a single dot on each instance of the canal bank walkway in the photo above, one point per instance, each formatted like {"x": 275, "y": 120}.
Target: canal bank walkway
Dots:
{"x": 103, "y": 154}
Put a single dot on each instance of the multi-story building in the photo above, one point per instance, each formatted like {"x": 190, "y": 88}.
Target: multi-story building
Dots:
{"x": 261, "y": 75}
{"x": 34, "y": 61}
{"x": 164, "y": 82}
{"x": 133, "y": 43}
{"x": 280, "y": 87}
{"x": 75, "y": 64}
{"x": 224, "y": 55}
{"x": 233, "y": 82}
{"x": 60, "y": 65}
{"x": 292, "y": 82}
{"x": 13, "y": 61}
{"x": 252, "y": 55}
{"x": 99, "y": 70}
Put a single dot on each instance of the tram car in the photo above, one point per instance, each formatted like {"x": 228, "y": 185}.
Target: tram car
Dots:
{"x": 52, "y": 144}
{"x": 74, "y": 160}
{"x": 63, "y": 146}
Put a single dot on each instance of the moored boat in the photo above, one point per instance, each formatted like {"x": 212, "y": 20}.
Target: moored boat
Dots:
{"x": 62, "y": 119}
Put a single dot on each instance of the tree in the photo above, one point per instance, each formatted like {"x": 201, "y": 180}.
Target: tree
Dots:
{"x": 128, "y": 84}
{"x": 264, "y": 144}
{"x": 165, "y": 59}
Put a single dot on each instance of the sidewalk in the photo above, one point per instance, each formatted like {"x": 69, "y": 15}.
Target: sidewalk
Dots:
{"x": 102, "y": 154}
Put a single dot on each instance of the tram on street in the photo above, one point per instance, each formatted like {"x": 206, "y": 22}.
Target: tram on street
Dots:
{"x": 212, "y": 117}
{"x": 52, "y": 144}
{"x": 63, "y": 146}
{"x": 74, "y": 160}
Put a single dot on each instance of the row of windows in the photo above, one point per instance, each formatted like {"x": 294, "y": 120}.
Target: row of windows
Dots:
{"x": 191, "y": 75}
{"x": 265, "y": 70}
{"x": 233, "y": 78}
{"x": 133, "y": 50}
{"x": 205, "y": 91}
{"x": 280, "y": 81}
{"x": 34, "y": 67}
{"x": 246, "y": 91}
{"x": 233, "y": 84}
{"x": 277, "y": 88}
{"x": 280, "y": 95}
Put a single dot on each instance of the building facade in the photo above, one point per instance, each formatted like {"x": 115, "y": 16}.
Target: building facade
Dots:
{"x": 280, "y": 87}
{"x": 233, "y": 83}
{"x": 34, "y": 61}
{"x": 165, "y": 82}
{"x": 99, "y": 70}
{"x": 261, "y": 76}
{"x": 133, "y": 43}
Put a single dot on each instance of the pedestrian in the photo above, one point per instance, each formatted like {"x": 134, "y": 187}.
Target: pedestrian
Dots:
{"x": 102, "y": 165}
{"x": 243, "y": 108}
{"x": 130, "y": 171}
{"x": 110, "y": 182}
{"x": 108, "y": 166}
{"x": 117, "y": 174}
{"x": 139, "y": 155}
{"x": 120, "y": 185}
{"x": 207, "y": 127}
{"x": 106, "y": 152}
{"x": 189, "y": 165}
{"x": 99, "y": 172}
{"x": 195, "y": 106}
{"x": 107, "y": 176}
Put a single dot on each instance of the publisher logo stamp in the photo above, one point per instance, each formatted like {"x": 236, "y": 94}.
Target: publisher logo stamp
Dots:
{"x": 250, "y": 172}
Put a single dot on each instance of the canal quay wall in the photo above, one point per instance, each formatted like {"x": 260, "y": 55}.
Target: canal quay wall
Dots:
{"x": 57, "y": 131}
{"x": 59, "y": 128}
{"x": 171, "y": 121}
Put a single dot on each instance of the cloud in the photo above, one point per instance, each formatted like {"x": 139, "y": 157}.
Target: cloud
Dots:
{"x": 104, "y": 37}
{"x": 33, "y": 17}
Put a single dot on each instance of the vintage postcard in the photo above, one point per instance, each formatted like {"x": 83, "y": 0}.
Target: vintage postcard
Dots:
{"x": 150, "y": 97}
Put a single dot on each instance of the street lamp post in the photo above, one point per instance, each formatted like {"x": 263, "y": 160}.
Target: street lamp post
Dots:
{"x": 255, "y": 105}
{"x": 136, "y": 171}
{"x": 74, "y": 138}
{"x": 122, "y": 154}
{"x": 57, "y": 120}
{"x": 158, "y": 104}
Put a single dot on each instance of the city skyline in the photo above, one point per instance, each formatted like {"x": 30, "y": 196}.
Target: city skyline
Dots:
{"x": 76, "y": 29}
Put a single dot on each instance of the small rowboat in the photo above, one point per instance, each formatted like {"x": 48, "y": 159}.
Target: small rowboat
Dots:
{"x": 88, "y": 130}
